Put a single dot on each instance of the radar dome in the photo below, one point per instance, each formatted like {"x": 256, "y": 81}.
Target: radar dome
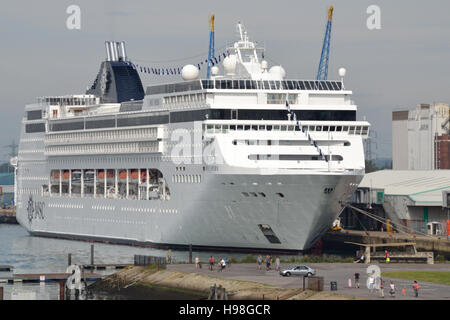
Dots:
{"x": 229, "y": 64}
{"x": 278, "y": 70}
{"x": 215, "y": 71}
{"x": 189, "y": 72}
{"x": 342, "y": 72}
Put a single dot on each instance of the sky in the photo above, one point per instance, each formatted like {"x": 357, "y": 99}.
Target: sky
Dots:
{"x": 402, "y": 64}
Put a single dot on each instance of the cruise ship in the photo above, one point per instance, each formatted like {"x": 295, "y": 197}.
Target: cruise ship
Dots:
{"x": 246, "y": 160}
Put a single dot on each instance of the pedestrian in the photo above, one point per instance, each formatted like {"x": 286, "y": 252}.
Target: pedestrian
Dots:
{"x": 357, "y": 279}
{"x": 404, "y": 292}
{"x": 277, "y": 263}
{"x": 386, "y": 255}
{"x": 416, "y": 288}
{"x": 381, "y": 288}
{"x": 169, "y": 256}
{"x": 211, "y": 263}
{"x": 259, "y": 260}
{"x": 371, "y": 283}
{"x": 223, "y": 264}
{"x": 197, "y": 262}
{"x": 268, "y": 262}
{"x": 392, "y": 290}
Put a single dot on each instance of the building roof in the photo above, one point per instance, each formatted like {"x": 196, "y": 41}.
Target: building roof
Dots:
{"x": 424, "y": 187}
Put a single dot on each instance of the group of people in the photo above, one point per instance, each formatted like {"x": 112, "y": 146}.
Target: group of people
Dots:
{"x": 268, "y": 261}
{"x": 382, "y": 285}
{"x": 222, "y": 264}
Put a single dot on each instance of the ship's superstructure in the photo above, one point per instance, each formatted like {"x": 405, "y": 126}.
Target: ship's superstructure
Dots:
{"x": 246, "y": 159}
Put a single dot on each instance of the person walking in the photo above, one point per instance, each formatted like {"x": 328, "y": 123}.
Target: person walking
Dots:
{"x": 357, "y": 279}
{"x": 416, "y": 288}
{"x": 259, "y": 260}
{"x": 268, "y": 262}
{"x": 197, "y": 262}
{"x": 381, "y": 288}
{"x": 371, "y": 283}
{"x": 211, "y": 263}
{"x": 277, "y": 263}
{"x": 392, "y": 289}
{"x": 386, "y": 255}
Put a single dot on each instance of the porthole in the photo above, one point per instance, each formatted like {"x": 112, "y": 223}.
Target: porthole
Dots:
{"x": 280, "y": 195}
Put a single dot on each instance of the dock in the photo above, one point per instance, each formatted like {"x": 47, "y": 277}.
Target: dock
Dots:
{"x": 111, "y": 266}
{"x": 46, "y": 277}
{"x": 8, "y": 216}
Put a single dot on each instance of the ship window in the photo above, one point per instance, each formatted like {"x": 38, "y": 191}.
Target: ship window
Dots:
{"x": 266, "y": 85}
{"x": 332, "y": 128}
{"x": 283, "y": 128}
{"x": 35, "y": 127}
{"x": 253, "y": 194}
{"x": 245, "y": 194}
{"x": 311, "y": 128}
{"x": 247, "y": 127}
{"x": 358, "y": 130}
{"x": 280, "y": 195}
{"x": 232, "y": 127}
{"x": 255, "y": 128}
{"x": 338, "y": 128}
{"x": 345, "y": 129}
{"x": 290, "y": 128}
{"x": 262, "y": 194}
{"x": 319, "y": 128}
{"x": 276, "y": 127}
{"x": 240, "y": 127}
{"x": 269, "y": 128}
{"x": 325, "y": 128}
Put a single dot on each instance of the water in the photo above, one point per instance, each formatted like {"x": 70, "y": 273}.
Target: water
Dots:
{"x": 45, "y": 255}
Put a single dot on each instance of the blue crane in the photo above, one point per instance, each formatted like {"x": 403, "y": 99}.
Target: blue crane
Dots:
{"x": 322, "y": 73}
{"x": 211, "y": 47}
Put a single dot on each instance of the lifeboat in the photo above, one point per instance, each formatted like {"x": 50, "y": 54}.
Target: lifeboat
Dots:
{"x": 101, "y": 174}
{"x": 110, "y": 174}
{"x": 123, "y": 174}
{"x": 134, "y": 174}
{"x": 143, "y": 176}
{"x": 66, "y": 174}
{"x": 56, "y": 174}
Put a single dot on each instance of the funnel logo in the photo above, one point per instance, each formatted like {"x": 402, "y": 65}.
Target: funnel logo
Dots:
{"x": 35, "y": 209}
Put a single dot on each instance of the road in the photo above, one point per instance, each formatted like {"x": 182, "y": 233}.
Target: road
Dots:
{"x": 339, "y": 272}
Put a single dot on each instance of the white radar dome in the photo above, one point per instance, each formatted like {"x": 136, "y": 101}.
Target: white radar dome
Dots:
{"x": 215, "y": 70}
{"x": 342, "y": 72}
{"x": 229, "y": 64}
{"x": 189, "y": 72}
{"x": 278, "y": 70}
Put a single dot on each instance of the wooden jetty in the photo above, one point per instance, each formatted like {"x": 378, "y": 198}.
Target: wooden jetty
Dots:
{"x": 47, "y": 277}
{"x": 106, "y": 266}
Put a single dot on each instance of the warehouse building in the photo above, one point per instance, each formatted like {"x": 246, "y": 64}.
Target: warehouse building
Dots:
{"x": 413, "y": 198}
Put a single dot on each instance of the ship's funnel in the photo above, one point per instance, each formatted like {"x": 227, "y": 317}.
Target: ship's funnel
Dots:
{"x": 115, "y": 51}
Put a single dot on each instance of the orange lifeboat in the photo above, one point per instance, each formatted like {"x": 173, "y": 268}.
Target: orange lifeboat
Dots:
{"x": 110, "y": 174}
{"x": 66, "y": 174}
{"x": 134, "y": 174}
{"x": 101, "y": 174}
{"x": 143, "y": 176}
{"x": 56, "y": 174}
{"x": 123, "y": 174}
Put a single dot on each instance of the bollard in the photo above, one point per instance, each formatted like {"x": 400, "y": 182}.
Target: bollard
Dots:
{"x": 61, "y": 289}
{"x": 1, "y": 293}
{"x": 69, "y": 259}
{"x": 92, "y": 255}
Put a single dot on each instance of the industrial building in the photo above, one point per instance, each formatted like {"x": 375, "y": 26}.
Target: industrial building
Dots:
{"x": 421, "y": 138}
{"x": 412, "y": 198}
{"x": 6, "y": 189}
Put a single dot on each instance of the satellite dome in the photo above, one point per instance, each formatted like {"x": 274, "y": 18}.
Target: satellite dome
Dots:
{"x": 229, "y": 64}
{"x": 189, "y": 72}
{"x": 215, "y": 70}
{"x": 342, "y": 72}
{"x": 278, "y": 70}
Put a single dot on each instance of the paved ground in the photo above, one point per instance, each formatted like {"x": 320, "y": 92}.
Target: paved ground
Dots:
{"x": 339, "y": 272}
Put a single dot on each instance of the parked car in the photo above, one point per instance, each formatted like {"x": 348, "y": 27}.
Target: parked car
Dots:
{"x": 301, "y": 270}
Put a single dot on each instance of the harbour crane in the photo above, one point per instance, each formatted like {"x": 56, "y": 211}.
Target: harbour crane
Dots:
{"x": 211, "y": 46}
{"x": 322, "y": 73}
{"x": 13, "y": 147}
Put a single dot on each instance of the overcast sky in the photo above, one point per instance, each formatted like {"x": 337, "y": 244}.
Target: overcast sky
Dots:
{"x": 403, "y": 64}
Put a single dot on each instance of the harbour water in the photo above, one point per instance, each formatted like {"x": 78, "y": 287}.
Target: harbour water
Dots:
{"x": 45, "y": 255}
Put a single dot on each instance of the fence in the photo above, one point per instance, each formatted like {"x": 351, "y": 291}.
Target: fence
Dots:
{"x": 140, "y": 260}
